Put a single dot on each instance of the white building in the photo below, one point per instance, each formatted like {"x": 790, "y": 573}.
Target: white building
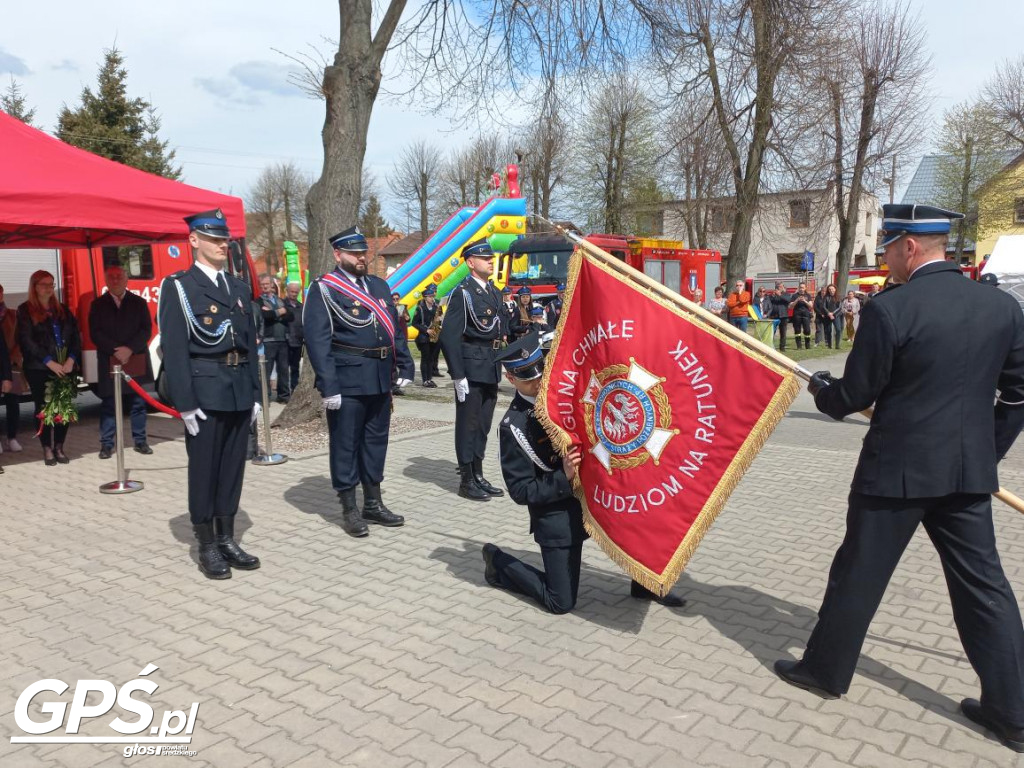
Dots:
{"x": 786, "y": 225}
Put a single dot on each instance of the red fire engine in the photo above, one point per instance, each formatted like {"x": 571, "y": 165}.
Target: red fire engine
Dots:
{"x": 541, "y": 261}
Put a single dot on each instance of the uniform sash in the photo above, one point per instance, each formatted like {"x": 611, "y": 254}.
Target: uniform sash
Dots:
{"x": 356, "y": 294}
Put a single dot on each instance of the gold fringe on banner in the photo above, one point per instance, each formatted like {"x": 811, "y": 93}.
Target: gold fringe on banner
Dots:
{"x": 661, "y": 583}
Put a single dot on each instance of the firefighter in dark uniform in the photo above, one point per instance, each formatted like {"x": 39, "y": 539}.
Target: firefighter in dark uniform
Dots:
{"x": 350, "y": 324}
{"x": 211, "y": 375}
{"x": 511, "y": 308}
{"x": 553, "y": 311}
{"x": 427, "y": 318}
{"x": 941, "y": 357}
{"x": 472, "y": 333}
{"x": 539, "y": 478}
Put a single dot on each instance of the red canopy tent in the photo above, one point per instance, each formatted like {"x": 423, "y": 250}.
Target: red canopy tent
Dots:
{"x": 53, "y": 195}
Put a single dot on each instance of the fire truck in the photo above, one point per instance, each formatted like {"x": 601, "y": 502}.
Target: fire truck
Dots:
{"x": 541, "y": 261}
{"x": 79, "y": 274}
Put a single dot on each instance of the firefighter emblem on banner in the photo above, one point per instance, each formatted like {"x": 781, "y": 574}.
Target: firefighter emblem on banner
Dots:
{"x": 628, "y": 416}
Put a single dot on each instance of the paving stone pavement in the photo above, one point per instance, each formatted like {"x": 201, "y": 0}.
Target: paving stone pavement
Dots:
{"x": 392, "y": 651}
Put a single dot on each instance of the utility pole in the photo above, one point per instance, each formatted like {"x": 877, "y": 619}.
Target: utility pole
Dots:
{"x": 891, "y": 181}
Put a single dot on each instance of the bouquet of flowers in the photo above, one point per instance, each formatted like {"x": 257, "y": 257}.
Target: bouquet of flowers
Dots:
{"x": 59, "y": 401}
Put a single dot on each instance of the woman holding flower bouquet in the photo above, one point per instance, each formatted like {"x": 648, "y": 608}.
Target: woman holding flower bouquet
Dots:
{"x": 51, "y": 348}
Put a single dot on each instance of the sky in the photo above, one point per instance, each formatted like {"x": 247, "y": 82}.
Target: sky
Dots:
{"x": 221, "y": 89}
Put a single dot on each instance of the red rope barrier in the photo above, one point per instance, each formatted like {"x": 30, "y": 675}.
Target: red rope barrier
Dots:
{"x": 148, "y": 398}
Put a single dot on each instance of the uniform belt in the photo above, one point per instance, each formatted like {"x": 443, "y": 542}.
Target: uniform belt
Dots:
{"x": 377, "y": 353}
{"x": 234, "y": 357}
{"x": 493, "y": 344}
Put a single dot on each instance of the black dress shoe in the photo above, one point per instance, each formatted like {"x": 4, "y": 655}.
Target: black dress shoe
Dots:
{"x": 640, "y": 592}
{"x": 49, "y": 461}
{"x": 143, "y": 448}
{"x": 106, "y": 451}
{"x": 60, "y": 457}
{"x": 794, "y": 673}
{"x": 1009, "y": 736}
{"x": 490, "y": 572}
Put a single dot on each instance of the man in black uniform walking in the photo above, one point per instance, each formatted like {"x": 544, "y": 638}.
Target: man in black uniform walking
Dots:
{"x": 540, "y": 479}
{"x": 208, "y": 340}
{"x": 933, "y": 355}
{"x": 351, "y": 332}
{"x": 472, "y": 333}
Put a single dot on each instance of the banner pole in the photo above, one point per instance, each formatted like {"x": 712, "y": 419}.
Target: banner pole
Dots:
{"x": 122, "y": 484}
{"x": 269, "y": 458}
{"x": 1008, "y": 498}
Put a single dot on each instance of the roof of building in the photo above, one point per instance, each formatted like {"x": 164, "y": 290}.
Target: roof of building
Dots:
{"x": 923, "y": 188}
{"x": 404, "y": 246}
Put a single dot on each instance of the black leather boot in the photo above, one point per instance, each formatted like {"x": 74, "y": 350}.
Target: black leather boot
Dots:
{"x": 374, "y": 510}
{"x": 640, "y": 592}
{"x": 468, "y": 488}
{"x": 211, "y": 561}
{"x": 224, "y": 535}
{"x": 478, "y": 475}
{"x": 352, "y": 519}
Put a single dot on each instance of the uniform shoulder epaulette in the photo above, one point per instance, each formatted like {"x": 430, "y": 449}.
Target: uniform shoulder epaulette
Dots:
{"x": 177, "y": 275}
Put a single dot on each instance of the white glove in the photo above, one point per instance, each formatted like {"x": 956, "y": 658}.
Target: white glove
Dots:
{"x": 403, "y": 382}
{"x": 191, "y": 419}
{"x": 461, "y": 389}
{"x": 257, "y": 409}
{"x": 332, "y": 403}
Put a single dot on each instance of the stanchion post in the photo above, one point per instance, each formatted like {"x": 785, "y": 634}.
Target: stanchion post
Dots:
{"x": 122, "y": 484}
{"x": 269, "y": 458}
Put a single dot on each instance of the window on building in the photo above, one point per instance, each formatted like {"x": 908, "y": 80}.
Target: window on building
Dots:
{"x": 1018, "y": 211}
{"x": 790, "y": 262}
{"x": 867, "y": 223}
{"x": 136, "y": 260}
{"x": 799, "y": 214}
{"x": 721, "y": 219}
{"x": 650, "y": 223}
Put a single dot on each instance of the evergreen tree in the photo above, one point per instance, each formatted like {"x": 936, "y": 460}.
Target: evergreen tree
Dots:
{"x": 12, "y": 101}
{"x": 372, "y": 222}
{"x": 111, "y": 124}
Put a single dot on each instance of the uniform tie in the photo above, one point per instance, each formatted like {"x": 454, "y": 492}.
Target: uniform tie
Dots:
{"x": 222, "y": 283}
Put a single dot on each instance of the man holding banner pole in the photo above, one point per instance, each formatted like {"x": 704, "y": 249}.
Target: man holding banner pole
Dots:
{"x": 929, "y": 458}
{"x": 350, "y": 324}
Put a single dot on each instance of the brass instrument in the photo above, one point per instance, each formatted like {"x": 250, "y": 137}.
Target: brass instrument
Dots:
{"x": 434, "y": 331}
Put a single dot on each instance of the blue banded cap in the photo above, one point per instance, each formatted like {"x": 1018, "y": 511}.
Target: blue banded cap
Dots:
{"x": 349, "y": 240}
{"x": 537, "y": 311}
{"x": 478, "y": 248}
{"x": 524, "y": 358}
{"x": 524, "y": 291}
{"x": 430, "y": 290}
{"x": 560, "y": 287}
{"x": 209, "y": 223}
{"x": 900, "y": 219}
{"x": 506, "y": 291}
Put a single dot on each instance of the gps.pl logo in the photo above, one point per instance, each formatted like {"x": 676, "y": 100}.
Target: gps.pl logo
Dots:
{"x": 175, "y": 728}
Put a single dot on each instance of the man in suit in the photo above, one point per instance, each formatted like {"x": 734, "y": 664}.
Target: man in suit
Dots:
{"x": 472, "y": 332}
{"x": 208, "y": 339}
{"x": 120, "y": 326}
{"x": 933, "y": 355}
{"x": 352, "y": 338}
{"x": 540, "y": 479}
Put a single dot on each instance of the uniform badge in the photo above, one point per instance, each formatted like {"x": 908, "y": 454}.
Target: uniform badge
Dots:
{"x": 207, "y": 321}
{"x": 489, "y": 312}
{"x": 356, "y": 304}
{"x": 213, "y": 308}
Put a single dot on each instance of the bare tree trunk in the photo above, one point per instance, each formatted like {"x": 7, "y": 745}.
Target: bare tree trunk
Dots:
{"x": 350, "y": 86}
{"x": 965, "y": 197}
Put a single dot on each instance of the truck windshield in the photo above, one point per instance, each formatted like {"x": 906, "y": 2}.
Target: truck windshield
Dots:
{"x": 540, "y": 267}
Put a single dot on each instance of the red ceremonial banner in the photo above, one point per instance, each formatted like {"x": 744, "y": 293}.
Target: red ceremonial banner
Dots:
{"x": 669, "y": 411}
